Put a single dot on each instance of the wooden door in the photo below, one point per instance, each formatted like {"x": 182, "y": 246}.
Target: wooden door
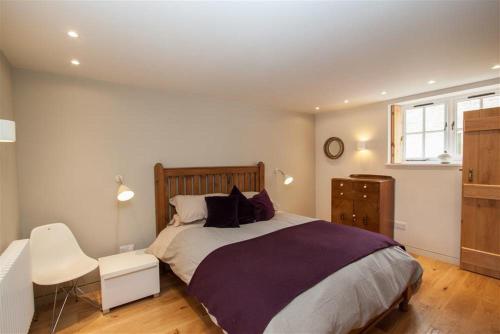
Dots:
{"x": 480, "y": 234}
{"x": 367, "y": 214}
{"x": 342, "y": 211}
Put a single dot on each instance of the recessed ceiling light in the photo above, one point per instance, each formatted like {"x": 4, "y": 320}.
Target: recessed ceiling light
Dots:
{"x": 383, "y": 92}
{"x": 430, "y": 82}
{"x": 346, "y": 101}
{"x": 73, "y": 34}
{"x": 317, "y": 108}
{"x": 496, "y": 67}
{"x": 75, "y": 62}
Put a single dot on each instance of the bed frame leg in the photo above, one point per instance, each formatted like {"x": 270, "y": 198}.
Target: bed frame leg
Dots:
{"x": 163, "y": 268}
{"x": 403, "y": 306}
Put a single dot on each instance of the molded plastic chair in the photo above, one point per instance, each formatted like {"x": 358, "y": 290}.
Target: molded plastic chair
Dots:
{"x": 56, "y": 258}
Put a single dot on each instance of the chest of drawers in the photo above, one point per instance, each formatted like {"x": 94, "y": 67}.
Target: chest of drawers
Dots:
{"x": 364, "y": 201}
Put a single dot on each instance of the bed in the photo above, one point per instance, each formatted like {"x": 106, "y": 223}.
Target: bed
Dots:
{"x": 370, "y": 287}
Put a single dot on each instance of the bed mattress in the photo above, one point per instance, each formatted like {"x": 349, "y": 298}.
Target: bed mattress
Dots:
{"x": 343, "y": 301}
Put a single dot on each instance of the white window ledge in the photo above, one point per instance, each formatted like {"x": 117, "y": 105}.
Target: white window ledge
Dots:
{"x": 423, "y": 164}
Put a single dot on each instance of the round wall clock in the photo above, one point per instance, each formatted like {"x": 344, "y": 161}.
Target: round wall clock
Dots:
{"x": 334, "y": 147}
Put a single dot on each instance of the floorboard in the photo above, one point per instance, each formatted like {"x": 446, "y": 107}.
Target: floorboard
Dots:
{"x": 450, "y": 300}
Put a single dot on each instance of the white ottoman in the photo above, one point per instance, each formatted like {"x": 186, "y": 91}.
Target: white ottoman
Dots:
{"x": 127, "y": 277}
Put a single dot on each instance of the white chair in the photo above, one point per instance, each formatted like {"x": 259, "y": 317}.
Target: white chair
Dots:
{"x": 57, "y": 258}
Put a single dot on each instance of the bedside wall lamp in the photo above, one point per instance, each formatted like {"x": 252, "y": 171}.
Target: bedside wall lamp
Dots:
{"x": 287, "y": 179}
{"x": 361, "y": 146}
{"x": 124, "y": 193}
{"x": 7, "y": 131}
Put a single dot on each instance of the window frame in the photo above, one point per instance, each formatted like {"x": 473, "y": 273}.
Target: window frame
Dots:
{"x": 461, "y": 98}
{"x": 450, "y": 102}
{"x": 453, "y": 132}
{"x": 424, "y": 105}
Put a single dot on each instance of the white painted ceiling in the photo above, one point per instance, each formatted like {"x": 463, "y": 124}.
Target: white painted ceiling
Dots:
{"x": 289, "y": 55}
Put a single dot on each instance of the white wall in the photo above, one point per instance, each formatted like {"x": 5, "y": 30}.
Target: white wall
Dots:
{"x": 427, "y": 198}
{"x": 75, "y": 135}
{"x": 9, "y": 211}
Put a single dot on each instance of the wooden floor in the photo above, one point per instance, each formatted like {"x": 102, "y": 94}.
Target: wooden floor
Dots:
{"x": 450, "y": 300}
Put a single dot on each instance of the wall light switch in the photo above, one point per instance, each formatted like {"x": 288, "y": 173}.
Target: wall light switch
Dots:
{"x": 126, "y": 248}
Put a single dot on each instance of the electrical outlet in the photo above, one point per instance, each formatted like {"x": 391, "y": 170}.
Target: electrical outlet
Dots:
{"x": 126, "y": 248}
{"x": 400, "y": 225}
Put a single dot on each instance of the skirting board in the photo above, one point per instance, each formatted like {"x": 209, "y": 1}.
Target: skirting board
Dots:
{"x": 433, "y": 255}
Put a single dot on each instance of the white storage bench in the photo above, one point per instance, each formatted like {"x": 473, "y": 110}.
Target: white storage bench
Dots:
{"x": 127, "y": 277}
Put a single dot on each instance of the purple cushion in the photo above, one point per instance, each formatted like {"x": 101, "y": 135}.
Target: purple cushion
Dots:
{"x": 263, "y": 207}
{"x": 246, "y": 213}
{"x": 222, "y": 211}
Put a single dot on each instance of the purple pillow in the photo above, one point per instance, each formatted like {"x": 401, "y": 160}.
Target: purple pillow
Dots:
{"x": 263, "y": 207}
{"x": 222, "y": 211}
{"x": 246, "y": 213}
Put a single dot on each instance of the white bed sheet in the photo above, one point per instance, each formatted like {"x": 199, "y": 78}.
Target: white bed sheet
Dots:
{"x": 343, "y": 301}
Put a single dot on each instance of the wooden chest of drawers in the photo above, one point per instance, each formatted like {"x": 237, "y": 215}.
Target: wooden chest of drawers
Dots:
{"x": 364, "y": 201}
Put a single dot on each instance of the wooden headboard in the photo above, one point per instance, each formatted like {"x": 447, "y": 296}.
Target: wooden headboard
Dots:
{"x": 198, "y": 181}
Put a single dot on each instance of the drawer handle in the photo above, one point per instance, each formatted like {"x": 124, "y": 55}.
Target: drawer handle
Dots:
{"x": 364, "y": 186}
{"x": 365, "y": 196}
{"x": 365, "y": 220}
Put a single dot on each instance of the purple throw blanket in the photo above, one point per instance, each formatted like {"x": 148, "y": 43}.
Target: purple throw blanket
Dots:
{"x": 245, "y": 284}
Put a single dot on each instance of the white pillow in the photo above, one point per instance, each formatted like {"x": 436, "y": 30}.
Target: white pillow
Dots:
{"x": 249, "y": 194}
{"x": 191, "y": 208}
{"x": 176, "y": 220}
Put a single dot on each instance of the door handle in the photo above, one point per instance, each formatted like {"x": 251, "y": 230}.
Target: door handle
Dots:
{"x": 470, "y": 175}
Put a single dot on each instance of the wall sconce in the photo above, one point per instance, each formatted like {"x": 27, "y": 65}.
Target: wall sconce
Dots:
{"x": 287, "y": 179}
{"x": 361, "y": 146}
{"x": 7, "y": 131}
{"x": 124, "y": 193}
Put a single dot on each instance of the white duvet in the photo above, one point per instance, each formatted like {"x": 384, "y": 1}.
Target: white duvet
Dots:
{"x": 343, "y": 301}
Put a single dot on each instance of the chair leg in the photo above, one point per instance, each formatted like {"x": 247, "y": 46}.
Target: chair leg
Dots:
{"x": 82, "y": 296}
{"x": 53, "y": 330}
{"x": 73, "y": 290}
{"x": 54, "y": 307}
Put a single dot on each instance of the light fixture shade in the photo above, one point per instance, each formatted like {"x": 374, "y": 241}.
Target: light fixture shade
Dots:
{"x": 361, "y": 145}
{"x": 288, "y": 179}
{"x": 124, "y": 193}
{"x": 7, "y": 131}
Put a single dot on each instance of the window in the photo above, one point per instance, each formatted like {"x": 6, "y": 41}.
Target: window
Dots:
{"x": 467, "y": 104}
{"x": 422, "y": 131}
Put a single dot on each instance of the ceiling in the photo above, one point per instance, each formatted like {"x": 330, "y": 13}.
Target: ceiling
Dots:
{"x": 288, "y": 55}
